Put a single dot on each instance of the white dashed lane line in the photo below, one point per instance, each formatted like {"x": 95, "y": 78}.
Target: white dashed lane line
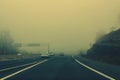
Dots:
{"x": 22, "y": 70}
{"x": 6, "y": 69}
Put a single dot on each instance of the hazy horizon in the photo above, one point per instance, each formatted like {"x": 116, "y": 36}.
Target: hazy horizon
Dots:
{"x": 68, "y": 25}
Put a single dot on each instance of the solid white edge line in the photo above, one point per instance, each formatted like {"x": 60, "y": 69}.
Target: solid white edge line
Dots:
{"x": 96, "y": 71}
{"x": 17, "y": 66}
{"x": 22, "y": 70}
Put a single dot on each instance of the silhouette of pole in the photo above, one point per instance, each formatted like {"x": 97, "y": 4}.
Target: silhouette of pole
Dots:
{"x": 48, "y": 48}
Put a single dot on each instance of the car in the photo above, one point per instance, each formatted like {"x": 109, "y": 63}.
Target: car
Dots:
{"x": 45, "y": 56}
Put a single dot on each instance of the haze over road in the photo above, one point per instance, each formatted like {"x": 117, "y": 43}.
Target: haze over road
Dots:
{"x": 68, "y": 25}
{"x": 57, "y": 68}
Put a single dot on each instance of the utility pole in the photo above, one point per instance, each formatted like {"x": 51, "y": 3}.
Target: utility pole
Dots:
{"x": 48, "y": 48}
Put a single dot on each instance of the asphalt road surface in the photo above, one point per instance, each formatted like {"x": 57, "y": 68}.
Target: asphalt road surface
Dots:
{"x": 58, "y": 68}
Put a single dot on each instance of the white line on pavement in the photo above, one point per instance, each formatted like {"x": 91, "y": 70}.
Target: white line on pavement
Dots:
{"x": 98, "y": 72}
{"x": 17, "y": 66}
{"x": 22, "y": 70}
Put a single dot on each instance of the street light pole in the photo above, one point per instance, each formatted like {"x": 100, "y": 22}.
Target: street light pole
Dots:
{"x": 48, "y": 48}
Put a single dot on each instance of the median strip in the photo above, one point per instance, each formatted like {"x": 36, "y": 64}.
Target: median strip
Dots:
{"x": 98, "y": 72}
{"x": 22, "y": 70}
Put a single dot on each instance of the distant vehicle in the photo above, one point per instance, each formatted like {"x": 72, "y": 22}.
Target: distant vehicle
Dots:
{"x": 45, "y": 56}
{"x": 19, "y": 54}
{"x": 52, "y": 54}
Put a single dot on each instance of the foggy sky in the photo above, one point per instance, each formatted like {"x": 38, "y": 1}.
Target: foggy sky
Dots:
{"x": 68, "y": 25}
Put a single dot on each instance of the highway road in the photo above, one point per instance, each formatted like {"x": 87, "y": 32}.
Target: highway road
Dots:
{"x": 58, "y": 68}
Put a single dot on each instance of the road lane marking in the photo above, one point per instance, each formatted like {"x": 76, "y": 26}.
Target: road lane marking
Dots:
{"x": 96, "y": 71}
{"x": 22, "y": 70}
{"x": 6, "y": 69}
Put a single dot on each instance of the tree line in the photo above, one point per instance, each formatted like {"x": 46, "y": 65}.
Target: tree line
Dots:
{"x": 7, "y": 45}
